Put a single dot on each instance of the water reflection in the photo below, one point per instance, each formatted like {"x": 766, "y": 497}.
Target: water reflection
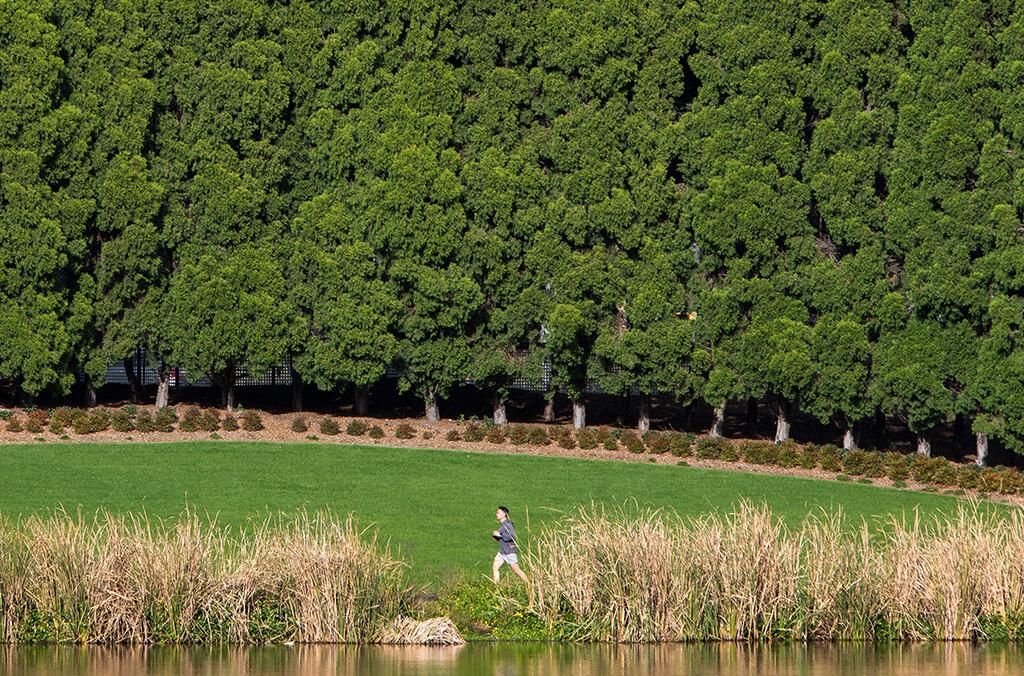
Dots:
{"x": 525, "y": 659}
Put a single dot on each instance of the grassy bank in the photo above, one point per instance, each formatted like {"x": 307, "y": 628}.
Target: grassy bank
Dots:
{"x": 436, "y": 507}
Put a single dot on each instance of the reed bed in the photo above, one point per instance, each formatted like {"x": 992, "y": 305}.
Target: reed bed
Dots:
{"x": 127, "y": 579}
{"x": 643, "y": 576}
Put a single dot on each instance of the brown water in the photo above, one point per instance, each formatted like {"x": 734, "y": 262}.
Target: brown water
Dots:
{"x": 530, "y": 659}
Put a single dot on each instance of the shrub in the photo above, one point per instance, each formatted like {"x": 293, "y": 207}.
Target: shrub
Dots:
{"x": 91, "y": 422}
{"x": 34, "y": 423}
{"x": 808, "y": 457}
{"x": 144, "y": 422}
{"x": 829, "y": 458}
{"x": 130, "y": 409}
{"x": 863, "y": 463}
{"x": 712, "y": 448}
{"x": 5, "y": 414}
{"x": 632, "y": 442}
{"x": 537, "y": 436}
{"x": 230, "y": 423}
{"x": 944, "y": 472}
{"x": 929, "y": 470}
{"x": 405, "y": 431}
{"x": 967, "y": 476}
{"x": 64, "y": 415}
{"x": 729, "y": 453}
{"x": 495, "y": 435}
{"x": 587, "y": 439}
{"x": 14, "y": 424}
{"x": 518, "y": 435}
{"x": 209, "y": 421}
{"x": 758, "y": 453}
{"x": 56, "y": 427}
{"x": 251, "y": 421}
{"x": 428, "y": 435}
{"x": 473, "y": 432}
{"x": 376, "y": 432}
{"x": 680, "y": 444}
{"x": 329, "y": 426}
{"x": 568, "y": 441}
{"x": 897, "y": 467}
{"x": 657, "y": 443}
{"x": 788, "y": 454}
{"x": 610, "y": 444}
{"x": 452, "y": 435}
{"x": 166, "y": 418}
{"x": 1012, "y": 481}
{"x": 356, "y": 428}
{"x": 990, "y": 479}
{"x": 190, "y": 420}
{"x": 299, "y": 425}
{"x": 121, "y": 421}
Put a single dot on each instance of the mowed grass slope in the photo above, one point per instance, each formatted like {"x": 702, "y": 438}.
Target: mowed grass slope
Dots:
{"x": 436, "y": 506}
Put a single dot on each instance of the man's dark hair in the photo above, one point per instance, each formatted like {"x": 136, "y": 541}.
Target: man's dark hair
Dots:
{"x": 504, "y": 509}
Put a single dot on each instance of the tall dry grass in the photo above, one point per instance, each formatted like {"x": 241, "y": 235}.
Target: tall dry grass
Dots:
{"x": 643, "y": 575}
{"x": 129, "y": 579}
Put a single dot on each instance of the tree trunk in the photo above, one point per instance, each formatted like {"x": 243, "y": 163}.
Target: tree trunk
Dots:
{"x": 297, "y": 388}
{"x": 362, "y": 400}
{"x": 227, "y": 390}
{"x": 549, "y": 408}
{"x": 433, "y": 412}
{"x": 89, "y": 394}
{"x": 579, "y": 414}
{"x": 924, "y": 447}
{"x": 849, "y": 440}
{"x": 500, "y": 413}
{"x": 751, "y": 423}
{"x": 134, "y": 386}
{"x": 718, "y": 426}
{"x": 981, "y": 444}
{"x": 163, "y": 389}
{"x": 643, "y": 420}
{"x": 781, "y": 422}
{"x": 883, "y": 430}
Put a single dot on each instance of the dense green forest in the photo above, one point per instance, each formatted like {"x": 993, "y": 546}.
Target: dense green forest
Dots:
{"x": 814, "y": 204}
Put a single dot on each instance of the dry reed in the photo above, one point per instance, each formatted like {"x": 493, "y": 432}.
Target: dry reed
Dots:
{"x": 435, "y": 631}
{"x": 643, "y": 575}
{"x": 127, "y": 579}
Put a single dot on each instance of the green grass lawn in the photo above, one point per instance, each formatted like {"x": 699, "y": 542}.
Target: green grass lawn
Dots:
{"x": 437, "y": 506}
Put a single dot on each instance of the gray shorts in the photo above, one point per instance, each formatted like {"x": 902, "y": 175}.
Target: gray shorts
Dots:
{"x": 512, "y": 558}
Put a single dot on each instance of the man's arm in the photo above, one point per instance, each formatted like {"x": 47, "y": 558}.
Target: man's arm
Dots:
{"x": 507, "y": 532}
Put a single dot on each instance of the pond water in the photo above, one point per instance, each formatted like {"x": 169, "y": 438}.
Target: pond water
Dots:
{"x": 530, "y": 659}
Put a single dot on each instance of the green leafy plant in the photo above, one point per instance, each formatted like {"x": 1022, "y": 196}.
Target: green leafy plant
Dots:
{"x": 300, "y": 425}
{"x": 251, "y": 421}
{"x": 329, "y": 426}
{"x": 518, "y": 435}
{"x": 376, "y": 432}
{"x": 356, "y": 428}
{"x": 473, "y": 432}
{"x": 405, "y": 431}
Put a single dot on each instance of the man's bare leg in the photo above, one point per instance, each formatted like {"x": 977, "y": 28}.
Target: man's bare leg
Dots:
{"x": 497, "y": 575}
{"x": 519, "y": 571}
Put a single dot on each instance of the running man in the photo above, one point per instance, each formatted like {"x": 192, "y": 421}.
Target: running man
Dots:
{"x": 508, "y": 552}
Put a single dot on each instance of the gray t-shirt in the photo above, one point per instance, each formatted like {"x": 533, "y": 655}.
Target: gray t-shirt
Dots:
{"x": 507, "y": 538}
